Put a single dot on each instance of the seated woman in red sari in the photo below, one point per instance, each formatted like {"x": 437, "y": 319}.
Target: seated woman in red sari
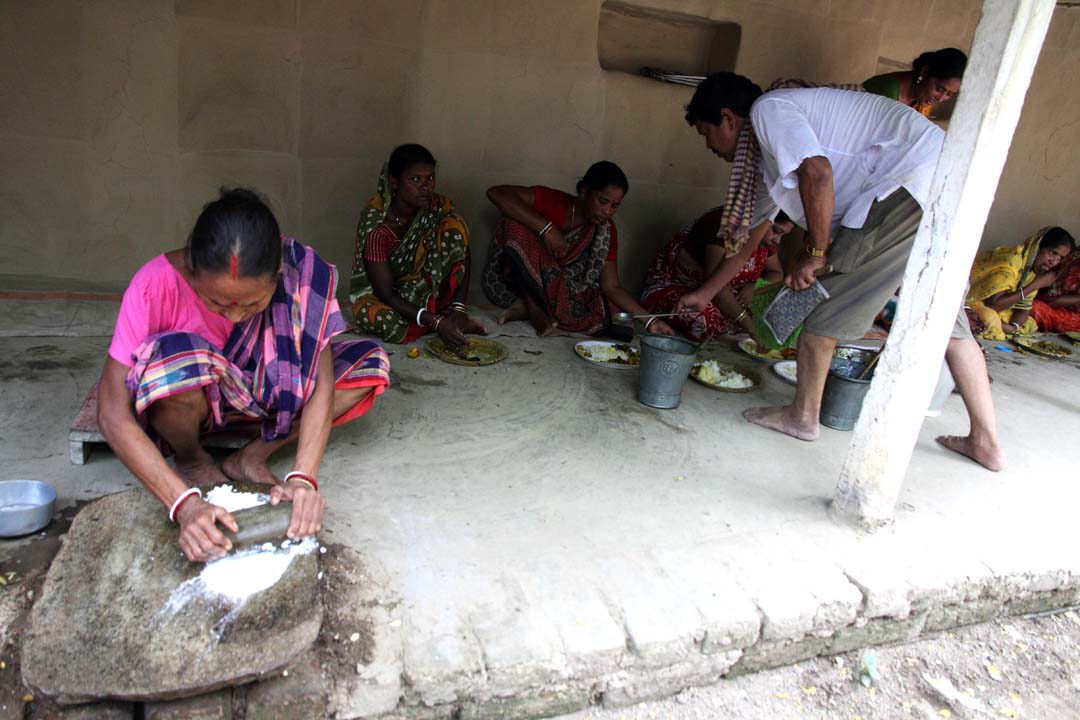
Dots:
{"x": 232, "y": 330}
{"x": 1057, "y": 309}
{"x": 554, "y": 259}
{"x": 691, "y": 256}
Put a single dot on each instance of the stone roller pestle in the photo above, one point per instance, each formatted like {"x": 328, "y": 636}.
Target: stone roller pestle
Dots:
{"x": 260, "y": 524}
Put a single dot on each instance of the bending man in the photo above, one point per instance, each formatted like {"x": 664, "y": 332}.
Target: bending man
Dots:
{"x": 852, "y": 169}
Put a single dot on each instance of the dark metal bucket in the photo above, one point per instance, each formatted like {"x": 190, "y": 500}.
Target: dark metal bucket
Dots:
{"x": 665, "y": 366}
{"x": 842, "y": 400}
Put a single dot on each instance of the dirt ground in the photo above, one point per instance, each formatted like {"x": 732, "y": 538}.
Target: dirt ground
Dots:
{"x": 1021, "y": 668}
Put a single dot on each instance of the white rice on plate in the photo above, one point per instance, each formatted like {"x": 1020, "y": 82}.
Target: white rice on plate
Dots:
{"x": 716, "y": 374}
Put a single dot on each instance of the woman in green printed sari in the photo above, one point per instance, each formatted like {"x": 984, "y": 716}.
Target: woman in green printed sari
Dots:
{"x": 411, "y": 264}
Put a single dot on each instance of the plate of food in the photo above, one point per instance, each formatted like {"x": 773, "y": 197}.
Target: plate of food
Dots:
{"x": 1046, "y": 348}
{"x": 785, "y": 370}
{"x": 725, "y": 378}
{"x": 614, "y": 355}
{"x": 751, "y": 348}
{"x": 476, "y": 351}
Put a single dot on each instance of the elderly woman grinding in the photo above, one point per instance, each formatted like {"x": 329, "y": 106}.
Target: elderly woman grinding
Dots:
{"x": 232, "y": 330}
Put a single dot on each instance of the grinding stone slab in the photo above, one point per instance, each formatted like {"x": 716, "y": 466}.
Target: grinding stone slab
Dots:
{"x": 101, "y": 630}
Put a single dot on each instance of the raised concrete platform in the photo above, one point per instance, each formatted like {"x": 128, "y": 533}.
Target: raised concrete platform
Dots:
{"x": 535, "y": 540}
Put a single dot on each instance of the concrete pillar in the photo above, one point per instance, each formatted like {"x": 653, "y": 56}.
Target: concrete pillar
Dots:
{"x": 1006, "y": 46}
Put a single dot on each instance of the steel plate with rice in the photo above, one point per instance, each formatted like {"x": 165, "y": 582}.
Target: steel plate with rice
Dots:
{"x": 751, "y": 348}
{"x": 611, "y": 355}
{"x": 725, "y": 378}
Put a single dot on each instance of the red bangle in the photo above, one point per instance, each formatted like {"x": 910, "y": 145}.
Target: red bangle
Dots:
{"x": 303, "y": 476}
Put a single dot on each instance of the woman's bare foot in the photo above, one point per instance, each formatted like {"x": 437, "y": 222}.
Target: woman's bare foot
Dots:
{"x": 539, "y": 319}
{"x": 514, "y": 312}
{"x": 990, "y": 457}
{"x": 201, "y": 471}
{"x": 248, "y": 464}
{"x": 781, "y": 420}
{"x": 475, "y": 327}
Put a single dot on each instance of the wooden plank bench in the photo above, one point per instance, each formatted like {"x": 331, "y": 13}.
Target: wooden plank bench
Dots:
{"x": 85, "y": 433}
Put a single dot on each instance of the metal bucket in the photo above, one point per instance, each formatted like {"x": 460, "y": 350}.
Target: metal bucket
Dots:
{"x": 665, "y": 365}
{"x": 842, "y": 400}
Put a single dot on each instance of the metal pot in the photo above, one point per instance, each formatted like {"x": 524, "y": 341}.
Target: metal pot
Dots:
{"x": 26, "y": 506}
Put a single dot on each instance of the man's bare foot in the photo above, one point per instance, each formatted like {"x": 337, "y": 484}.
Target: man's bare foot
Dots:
{"x": 990, "y": 457}
{"x": 248, "y": 465}
{"x": 514, "y": 312}
{"x": 201, "y": 471}
{"x": 781, "y": 420}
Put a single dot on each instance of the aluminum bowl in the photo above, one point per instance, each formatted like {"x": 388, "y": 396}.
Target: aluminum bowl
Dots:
{"x": 26, "y": 506}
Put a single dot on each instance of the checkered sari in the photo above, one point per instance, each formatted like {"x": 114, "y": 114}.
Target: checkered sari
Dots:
{"x": 267, "y": 370}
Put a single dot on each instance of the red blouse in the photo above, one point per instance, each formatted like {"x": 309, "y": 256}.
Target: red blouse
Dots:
{"x": 381, "y": 244}
{"x": 555, "y": 206}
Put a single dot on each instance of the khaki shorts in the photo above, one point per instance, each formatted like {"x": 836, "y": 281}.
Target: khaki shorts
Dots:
{"x": 868, "y": 267}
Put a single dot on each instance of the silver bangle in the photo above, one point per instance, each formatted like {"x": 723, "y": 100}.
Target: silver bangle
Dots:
{"x": 418, "y": 313}
{"x": 545, "y": 229}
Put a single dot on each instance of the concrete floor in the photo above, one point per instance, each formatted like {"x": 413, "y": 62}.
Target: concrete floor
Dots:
{"x": 541, "y": 541}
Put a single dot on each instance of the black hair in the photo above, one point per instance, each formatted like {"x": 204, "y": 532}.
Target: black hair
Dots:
{"x": 409, "y": 154}
{"x": 1056, "y": 237}
{"x": 236, "y": 233}
{"x": 718, "y": 91}
{"x": 782, "y": 218}
{"x": 601, "y": 175}
{"x": 943, "y": 64}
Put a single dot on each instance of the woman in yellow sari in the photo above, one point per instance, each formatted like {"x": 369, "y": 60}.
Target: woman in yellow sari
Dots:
{"x": 1005, "y": 281}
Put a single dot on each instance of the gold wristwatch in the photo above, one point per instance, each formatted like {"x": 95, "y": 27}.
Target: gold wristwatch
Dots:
{"x": 813, "y": 251}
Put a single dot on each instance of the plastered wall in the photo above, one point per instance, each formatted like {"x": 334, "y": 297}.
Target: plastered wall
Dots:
{"x": 119, "y": 118}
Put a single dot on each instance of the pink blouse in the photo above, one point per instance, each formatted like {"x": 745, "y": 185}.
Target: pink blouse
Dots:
{"x": 158, "y": 300}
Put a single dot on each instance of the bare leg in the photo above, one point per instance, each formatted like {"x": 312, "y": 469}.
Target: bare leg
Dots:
{"x": 968, "y": 367}
{"x": 178, "y": 419}
{"x": 516, "y": 311}
{"x": 539, "y": 318}
{"x": 800, "y": 419}
{"x": 474, "y": 327}
{"x": 250, "y": 463}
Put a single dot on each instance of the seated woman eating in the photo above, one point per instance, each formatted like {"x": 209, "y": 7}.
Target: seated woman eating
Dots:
{"x": 934, "y": 78}
{"x": 1059, "y": 311}
{"x": 1005, "y": 281}
{"x": 411, "y": 264}
{"x": 232, "y": 330}
{"x": 693, "y": 255}
{"x": 554, "y": 259}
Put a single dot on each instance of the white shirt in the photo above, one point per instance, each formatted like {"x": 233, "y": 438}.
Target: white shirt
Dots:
{"x": 875, "y": 145}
